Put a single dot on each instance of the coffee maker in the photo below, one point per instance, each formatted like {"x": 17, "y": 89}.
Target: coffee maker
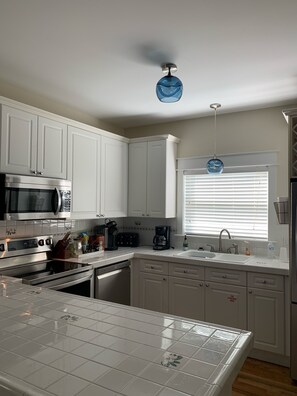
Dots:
{"x": 161, "y": 239}
{"x": 110, "y": 232}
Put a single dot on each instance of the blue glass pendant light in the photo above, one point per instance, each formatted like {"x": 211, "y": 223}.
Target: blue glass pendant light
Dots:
{"x": 215, "y": 165}
{"x": 169, "y": 89}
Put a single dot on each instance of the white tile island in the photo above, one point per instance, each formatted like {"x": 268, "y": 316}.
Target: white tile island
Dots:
{"x": 53, "y": 343}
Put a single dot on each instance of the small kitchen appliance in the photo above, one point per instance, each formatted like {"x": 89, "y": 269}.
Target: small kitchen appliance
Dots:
{"x": 128, "y": 239}
{"x": 110, "y": 232}
{"x": 33, "y": 197}
{"x": 161, "y": 239}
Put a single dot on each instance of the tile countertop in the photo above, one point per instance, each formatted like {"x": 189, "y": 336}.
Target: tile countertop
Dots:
{"x": 53, "y": 343}
{"x": 254, "y": 264}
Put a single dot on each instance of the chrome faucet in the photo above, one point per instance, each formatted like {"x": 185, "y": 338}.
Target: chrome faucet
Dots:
{"x": 220, "y": 238}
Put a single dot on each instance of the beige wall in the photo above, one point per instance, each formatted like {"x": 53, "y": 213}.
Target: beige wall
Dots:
{"x": 33, "y": 99}
{"x": 246, "y": 131}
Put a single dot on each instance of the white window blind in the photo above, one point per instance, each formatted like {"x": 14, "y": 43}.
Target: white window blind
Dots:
{"x": 236, "y": 201}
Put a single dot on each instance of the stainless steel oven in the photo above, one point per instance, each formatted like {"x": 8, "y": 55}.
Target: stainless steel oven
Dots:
{"x": 29, "y": 198}
{"x": 29, "y": 259}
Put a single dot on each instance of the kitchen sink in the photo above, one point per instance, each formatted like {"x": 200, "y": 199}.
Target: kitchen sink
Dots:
{"x": 232, "y": 258}
{"x": 197, "y": 254}
{"x": 224, "y": 257}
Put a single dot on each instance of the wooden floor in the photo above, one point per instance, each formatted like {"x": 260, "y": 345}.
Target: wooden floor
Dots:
{"x": 257, "y": 378}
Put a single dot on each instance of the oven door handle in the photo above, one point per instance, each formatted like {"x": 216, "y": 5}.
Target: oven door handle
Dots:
{"x": 71, "y": 283}
{"x": 59, "y": 201}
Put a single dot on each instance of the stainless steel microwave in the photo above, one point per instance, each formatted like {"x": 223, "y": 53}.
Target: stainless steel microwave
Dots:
{"x": 33, "y": 198}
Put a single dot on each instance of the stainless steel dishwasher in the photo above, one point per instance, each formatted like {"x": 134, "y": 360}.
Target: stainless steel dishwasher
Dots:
{"x": 112, "y": 283}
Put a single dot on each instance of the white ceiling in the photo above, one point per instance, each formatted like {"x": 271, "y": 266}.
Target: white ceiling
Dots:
{"x": 104, "y": 56}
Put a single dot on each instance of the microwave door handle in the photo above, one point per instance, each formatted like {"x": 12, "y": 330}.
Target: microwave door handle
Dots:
{"x": 59, "y": 201}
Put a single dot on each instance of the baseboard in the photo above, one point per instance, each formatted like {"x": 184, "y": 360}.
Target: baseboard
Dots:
{"x": 270, "y": 357}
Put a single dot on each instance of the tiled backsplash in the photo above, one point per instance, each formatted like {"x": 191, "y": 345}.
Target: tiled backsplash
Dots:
{"x": 144, "y": 226}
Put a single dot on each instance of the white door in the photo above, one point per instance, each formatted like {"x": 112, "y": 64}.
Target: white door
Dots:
{"x": 156, "y": 178}
{"x": 225, "y": 304}
{"x": 18, "y": 141}
{"x": 84, "y": 171}
{"x": 186, "y": 298}
{"x": 266, "y": 319}
{"x": 153, "y": 292}
{"x": 137, "y": 179}
{"x": 52, "y": 150}
{"x": 114, "y": 177}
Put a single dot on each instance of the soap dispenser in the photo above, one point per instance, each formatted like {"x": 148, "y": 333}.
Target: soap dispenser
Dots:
{"x": 185, "y": 243}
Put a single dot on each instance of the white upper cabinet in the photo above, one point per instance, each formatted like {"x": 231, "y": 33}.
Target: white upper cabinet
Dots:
{"x": 152, "y": 177}
{"x": 18, "y": 141}
{"x": 98, "y": 168}
{"x": 32, "y": 145}
{"x": 114, "y": 177}
{"x": 84, "y": 172}
{"x": 52, "y": 149}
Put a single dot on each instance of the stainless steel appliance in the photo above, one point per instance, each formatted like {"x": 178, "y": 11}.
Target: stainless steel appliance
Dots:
{"x": 29, "y": 198}
{"x": 112, "y": 283}
{"x": 29, "y": 259}
{"x": 161, "y": 239}
{"x": 293, "y": 276}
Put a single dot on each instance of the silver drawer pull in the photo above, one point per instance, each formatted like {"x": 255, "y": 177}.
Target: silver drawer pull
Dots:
{"x": 200, "y": 284}
{"x": 185, "y": 271}
{"x": 264, "y": 281}
{"x": 224, "y": 276}
{"x": 152, "y": 267}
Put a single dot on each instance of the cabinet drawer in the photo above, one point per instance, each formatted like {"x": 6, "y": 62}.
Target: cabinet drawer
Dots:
{"x": 266, "y": 281}
{"x": 186, "y": 271}
{"x": 221, "y": 275}
{"x": 154, "y": 267}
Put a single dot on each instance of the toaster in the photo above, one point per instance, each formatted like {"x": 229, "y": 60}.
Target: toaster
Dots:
{"x": 126, "y": 239}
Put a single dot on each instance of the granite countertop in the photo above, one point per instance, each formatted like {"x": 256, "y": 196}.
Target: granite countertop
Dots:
{"x": 54, "y": 343}
{"x": 254, "y": 263}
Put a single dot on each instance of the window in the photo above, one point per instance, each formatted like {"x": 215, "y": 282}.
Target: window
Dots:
{"x": 237, "y": 201}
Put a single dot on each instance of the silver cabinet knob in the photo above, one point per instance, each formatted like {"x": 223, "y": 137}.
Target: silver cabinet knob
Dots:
{"x": 33, "y": 171}
{"x": 185, "y": 271}
{"x": 207, "y": 285}
{"x": 250, "y": 292}
{"x": 164, "y": 279}
{"x": 40, "y": 173}
{"x": 200, "y": 284}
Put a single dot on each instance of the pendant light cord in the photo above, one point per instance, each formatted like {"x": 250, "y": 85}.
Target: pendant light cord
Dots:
{"x": 215, "y": 134}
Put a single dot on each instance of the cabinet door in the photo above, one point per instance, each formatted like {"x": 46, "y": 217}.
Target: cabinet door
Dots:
{"x": 266, "y": 319}
{"x": 18, "y": 141}
{"x": 153, "y": 292}
{"x": 156, "y": 178}
{"x": 137, "y": 179}
{"x": 52, "y": 139}
{"x": 186, "y": 298}
{"x": 84, "y": 171}
{"x": 114, "y": 178}
{"x": 225, "y": 304}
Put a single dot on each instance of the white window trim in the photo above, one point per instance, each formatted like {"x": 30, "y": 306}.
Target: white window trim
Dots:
{"x": 256, "y": 161}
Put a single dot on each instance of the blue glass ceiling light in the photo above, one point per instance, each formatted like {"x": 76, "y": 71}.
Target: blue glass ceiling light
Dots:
{"x": 215, "y": 165}
{"x": 169, "y": 89}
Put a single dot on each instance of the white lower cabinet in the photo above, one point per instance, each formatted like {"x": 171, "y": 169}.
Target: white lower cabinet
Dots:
{"x": 234, "y": 298}
{"x": 225, "y": 304}
{"x": 266, "y": 312}
{"x": 186, "y": 298}
{"x": 225, "y": 297}
{"x": 153, "y": 292}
